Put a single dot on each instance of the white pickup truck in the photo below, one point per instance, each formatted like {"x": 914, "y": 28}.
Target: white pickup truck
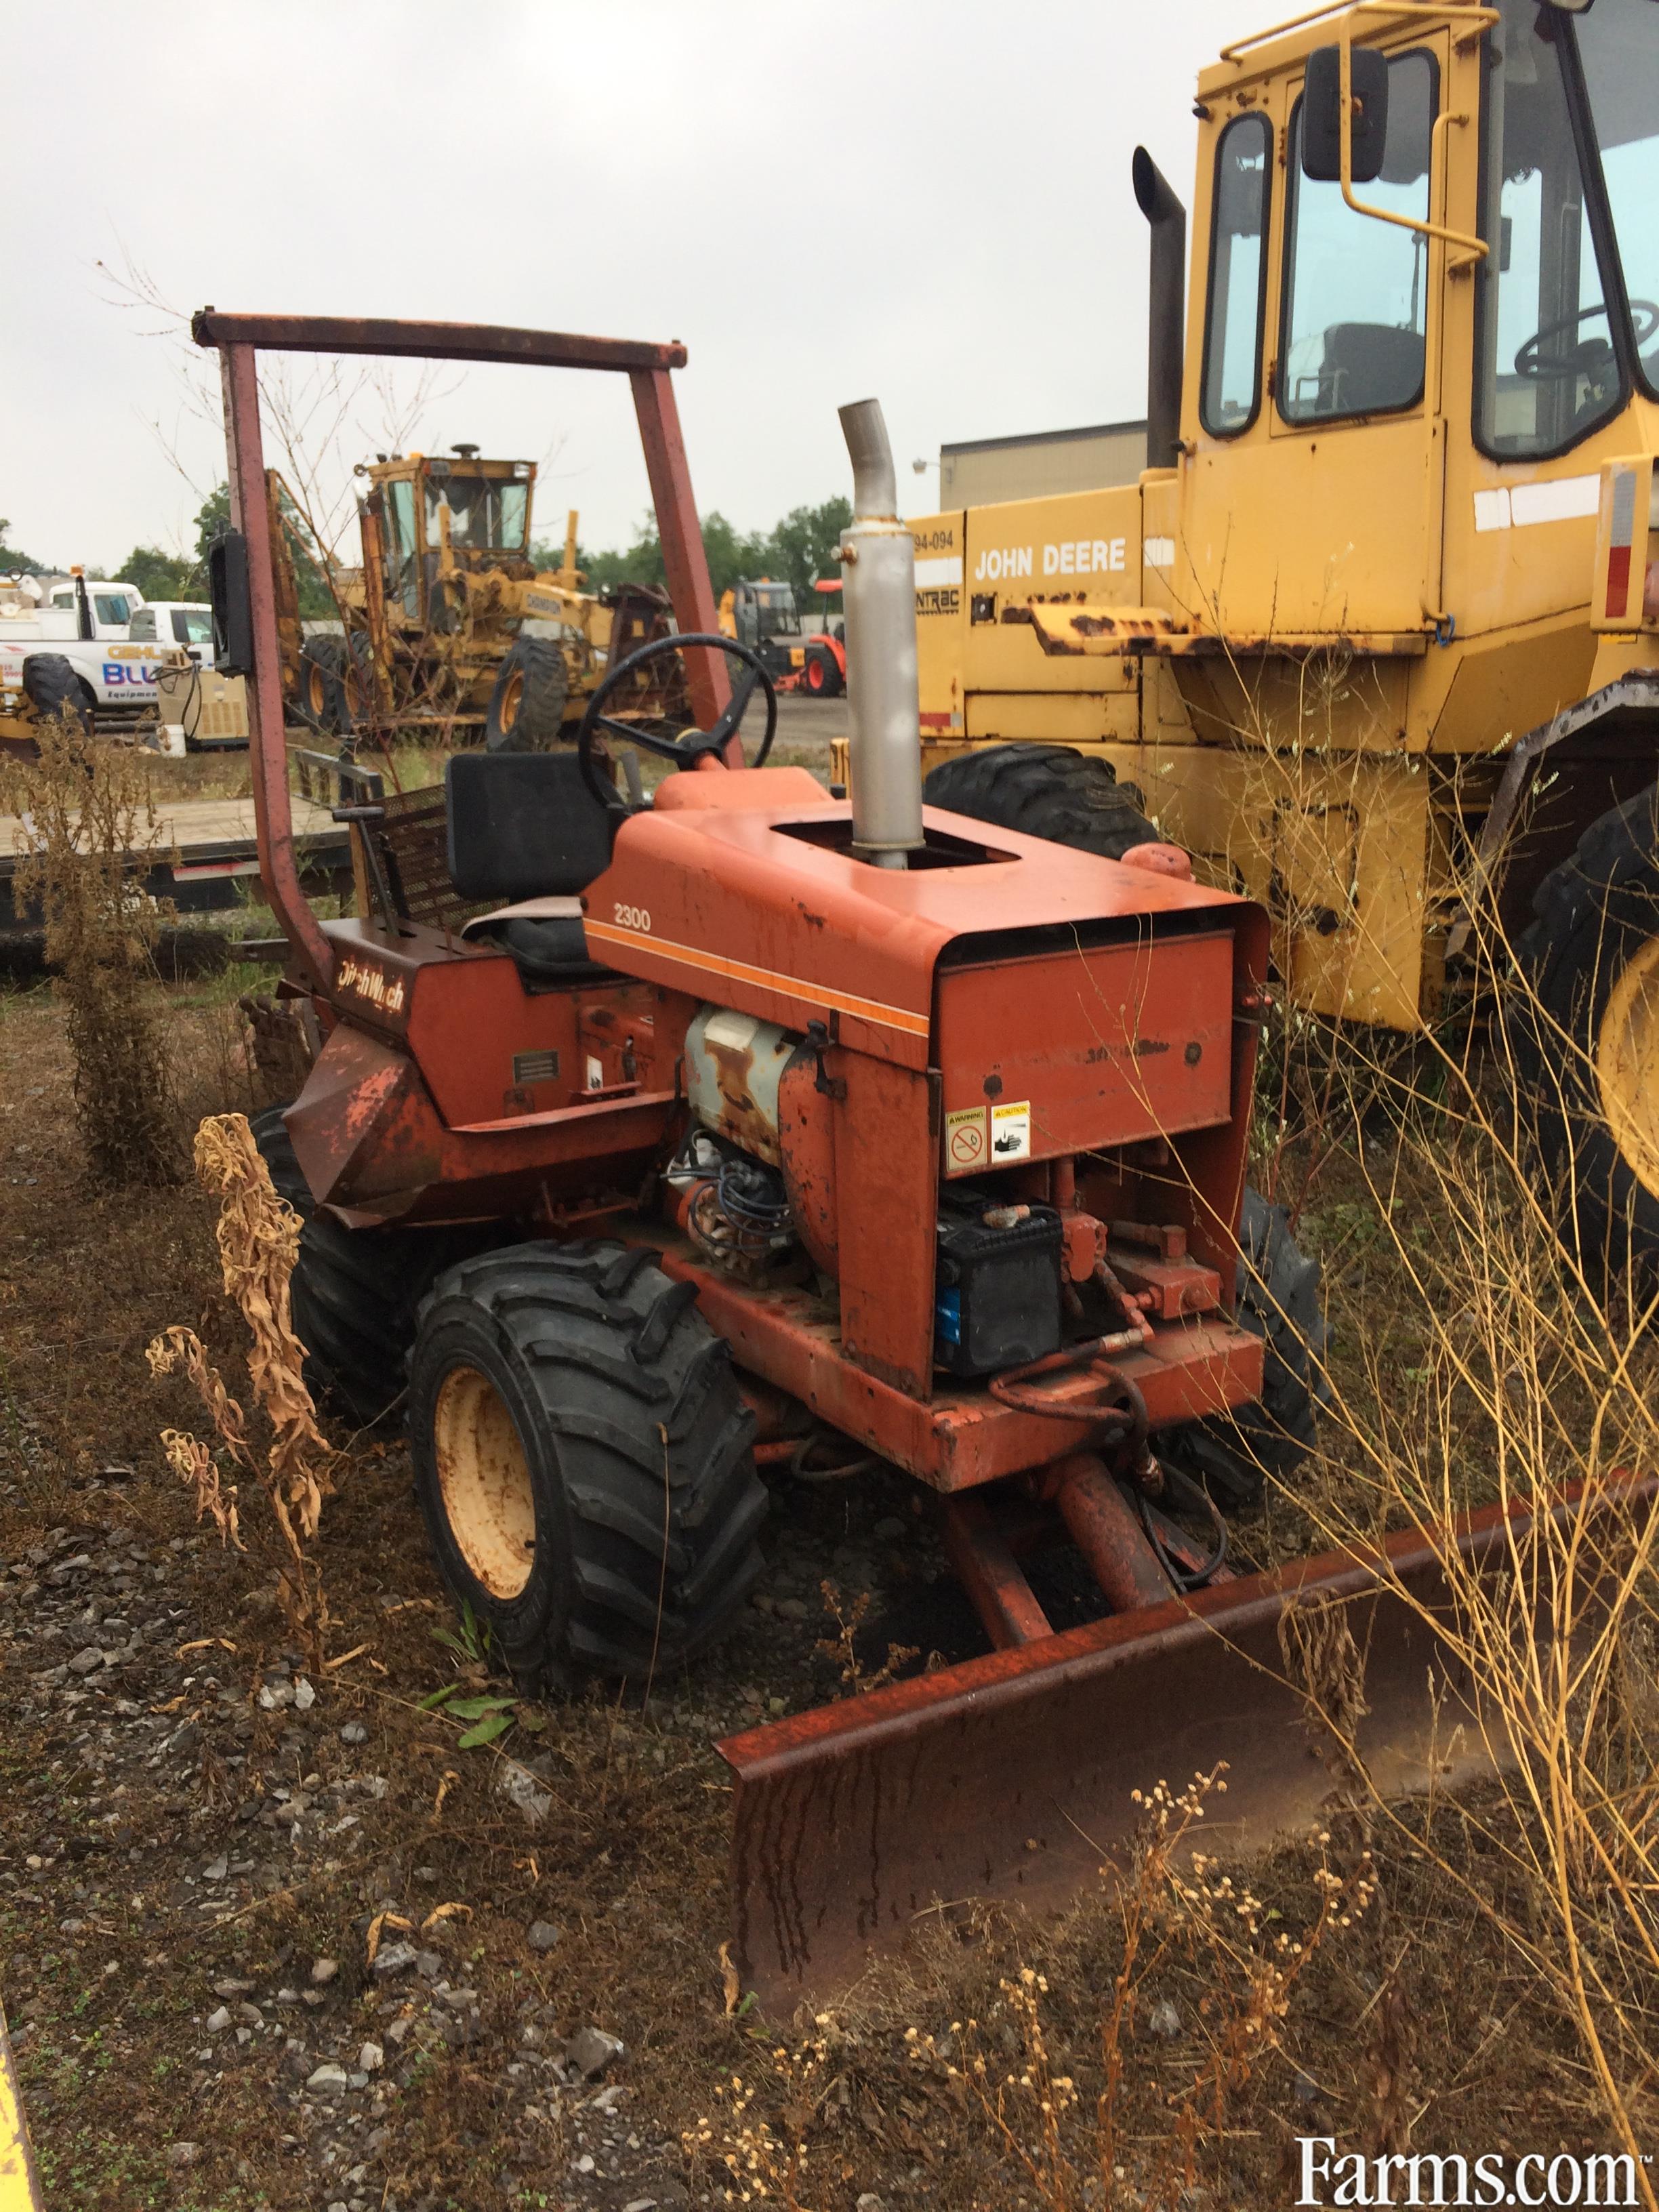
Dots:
{"x": 86, "y": 624}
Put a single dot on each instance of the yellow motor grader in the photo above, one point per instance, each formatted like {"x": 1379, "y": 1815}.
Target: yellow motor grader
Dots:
{"x": 435, "y": 633}
{"x": 1377, "y": 633}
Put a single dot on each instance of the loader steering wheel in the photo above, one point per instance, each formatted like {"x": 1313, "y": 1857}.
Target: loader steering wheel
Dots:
{"x": 1590, "y": 354}
{"x": 684, "y": 748}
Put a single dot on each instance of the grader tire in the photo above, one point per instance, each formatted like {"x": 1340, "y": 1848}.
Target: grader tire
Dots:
{"x": 584, "y": 1460}
{"x": 1584, "y": 1026}
{"x": 1044, "y": 791}
{"x": 525, "y": 713}
{"x": 354, "y": 1292}
{"x": 324, "y": 696}
{"x": 53, "y": 687}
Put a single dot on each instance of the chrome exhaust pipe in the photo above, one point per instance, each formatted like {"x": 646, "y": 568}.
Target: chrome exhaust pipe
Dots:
{"x": 879, "y": 594}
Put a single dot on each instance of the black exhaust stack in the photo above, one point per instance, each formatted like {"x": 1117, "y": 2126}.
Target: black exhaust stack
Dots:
{"x": 1166, "y": 319}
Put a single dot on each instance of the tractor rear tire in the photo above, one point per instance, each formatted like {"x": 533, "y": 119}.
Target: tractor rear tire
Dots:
{"x": 584, "y": 1460}
{"x": 355, "y": 1293}
{"x": 526, "y": 707}
{"x": 54, "y": 687}
{"x": 1584, "y": 1020}
{"x": 824, "y": 678}
{"x": 1045, "y": 790}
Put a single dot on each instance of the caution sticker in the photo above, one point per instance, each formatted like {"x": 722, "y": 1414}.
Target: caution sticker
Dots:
{"x": 1010, "y": 1132}
{"x": 967, "y": 1139}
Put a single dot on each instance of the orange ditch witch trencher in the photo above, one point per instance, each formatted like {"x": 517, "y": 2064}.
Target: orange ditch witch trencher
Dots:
{"x": 646, "y": 1144}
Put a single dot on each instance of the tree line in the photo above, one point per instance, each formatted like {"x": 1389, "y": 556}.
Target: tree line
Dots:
{"x": 798, "y": 549}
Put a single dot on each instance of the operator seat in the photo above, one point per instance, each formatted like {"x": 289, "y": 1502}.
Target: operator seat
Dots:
{"x": 1368, "y": 366}
{"x": 525, "y": 828}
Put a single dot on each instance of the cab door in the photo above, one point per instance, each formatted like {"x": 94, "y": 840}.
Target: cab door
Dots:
{"x": 1323, "y": 526}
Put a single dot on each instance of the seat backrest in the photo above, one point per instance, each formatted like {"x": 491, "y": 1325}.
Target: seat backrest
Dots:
{"x": 525, "y": 825}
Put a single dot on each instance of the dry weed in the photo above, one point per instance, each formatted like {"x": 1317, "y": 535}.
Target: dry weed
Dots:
{"x": 259, "y": 1236}
{"x": 86, "y": 810}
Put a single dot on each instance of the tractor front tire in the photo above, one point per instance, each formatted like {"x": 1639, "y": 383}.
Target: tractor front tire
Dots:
{"x": 1277, "y": 1294}
{"x": 1044, "y": 791}
{"x": 355, "y": 1293}
{"x": 1583, "y": 1019}
{"x": 525, "y": 713}
{"x": 584, "y": 1460}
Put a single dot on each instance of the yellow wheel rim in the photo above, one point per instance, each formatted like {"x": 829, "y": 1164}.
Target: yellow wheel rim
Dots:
{"x": 316, "y": 691}
{"x": 484, "y": 1481}
{"x": 1627, "y": 1063}
{"x": 511, "y": 699}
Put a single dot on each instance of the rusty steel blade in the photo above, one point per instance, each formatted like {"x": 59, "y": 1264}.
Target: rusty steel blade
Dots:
{"x": 1011, "y": 1776}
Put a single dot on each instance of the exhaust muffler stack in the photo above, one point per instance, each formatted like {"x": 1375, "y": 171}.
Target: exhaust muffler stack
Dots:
{"x": 878, "y": 591}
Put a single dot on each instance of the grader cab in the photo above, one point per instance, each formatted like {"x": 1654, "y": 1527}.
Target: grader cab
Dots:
{"x": 1375, "y": 635}
{"x": 448, "y": 624}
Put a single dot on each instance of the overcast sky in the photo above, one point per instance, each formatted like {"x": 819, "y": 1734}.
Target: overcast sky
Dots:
{"x": 926, "y": 199}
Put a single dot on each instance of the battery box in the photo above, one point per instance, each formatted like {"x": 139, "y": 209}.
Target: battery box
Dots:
{"x": 996, "y": 1295}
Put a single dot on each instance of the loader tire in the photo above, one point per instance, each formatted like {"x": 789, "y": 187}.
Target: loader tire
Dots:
{"x": 54, "y": 687}
{"x": 1583, "y": 1016}
{"x": 355, "y": 1293}
{"x": 1044, "y": 791}
{"x": 584, "y": 1460}
{"x": 525, "y": 713}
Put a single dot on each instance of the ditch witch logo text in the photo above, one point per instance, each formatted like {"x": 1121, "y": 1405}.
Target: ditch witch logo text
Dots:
{"x": 1330, "y": 2178}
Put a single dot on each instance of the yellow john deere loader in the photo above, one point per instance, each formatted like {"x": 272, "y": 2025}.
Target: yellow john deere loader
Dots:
{"x": 434, "y": 618}
{"x": 1378, "y": 622}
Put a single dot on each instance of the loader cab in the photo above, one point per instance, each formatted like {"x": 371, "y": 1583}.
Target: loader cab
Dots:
{"x": 1372, "y": 354}
{"x": 762, "y": 609}
{"x": 484, "y": 504}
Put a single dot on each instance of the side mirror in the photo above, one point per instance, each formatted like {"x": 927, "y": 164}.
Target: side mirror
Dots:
{"x": 233, "y": 611}
{"x": 1323, "y": 119}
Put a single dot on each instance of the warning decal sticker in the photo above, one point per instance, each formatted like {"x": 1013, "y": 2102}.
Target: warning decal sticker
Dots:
{"x": 1010, "y": 1132}
{"x": 967, "y": 1139}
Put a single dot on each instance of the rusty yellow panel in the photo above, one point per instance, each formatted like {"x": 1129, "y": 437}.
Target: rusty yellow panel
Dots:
{"x": 20, "y": 2183}
{"x": 1078, "y": 549}
{"x": 1082, "y": 719}
{"x": 1320, "y": 534}
{"x": 1335, "y": 846}
{"x": 941, "y": 619}
{"x": 1503, "y": 685}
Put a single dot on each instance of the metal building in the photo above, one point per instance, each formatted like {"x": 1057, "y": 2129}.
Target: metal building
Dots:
{"x": 980, "y": 471}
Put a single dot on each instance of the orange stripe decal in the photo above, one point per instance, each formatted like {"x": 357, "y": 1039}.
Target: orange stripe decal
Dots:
{"x": 765, "y": 979}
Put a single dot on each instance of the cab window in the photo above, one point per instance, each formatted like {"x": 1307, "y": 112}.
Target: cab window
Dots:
{"x": 402, "y": 578}
{"x": 110, "y": 607}
{"x": 191, "y": 626}
{"x": 1546, "y": 367}
{"x": 1356, "y": 290}
{"x": 143, "y": 623}
{"x": 1238, "y": 255}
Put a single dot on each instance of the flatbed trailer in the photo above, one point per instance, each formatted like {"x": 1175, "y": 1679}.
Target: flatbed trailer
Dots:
{"x": 205, "y": 849}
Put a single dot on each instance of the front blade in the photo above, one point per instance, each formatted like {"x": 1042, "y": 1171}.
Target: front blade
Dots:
{"x": 1011, "y": 1776}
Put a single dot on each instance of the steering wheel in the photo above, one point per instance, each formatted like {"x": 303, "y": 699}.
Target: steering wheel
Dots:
{"x": 686, "y": 747}
{"x": 1584, "y": 359}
